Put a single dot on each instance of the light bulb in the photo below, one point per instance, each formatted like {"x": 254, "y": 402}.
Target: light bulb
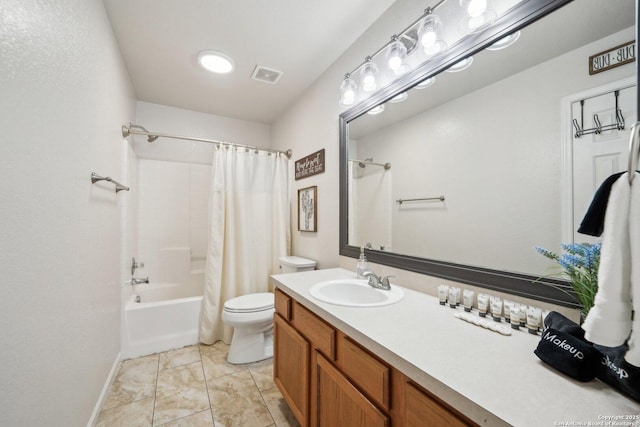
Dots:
{"x": 478, "y": 14}
{"x": 369, "y": 74}
{"x": 430, "y": 35}
{"x": 396, "y": 54}
{"x": 429, "y": 38}
{"x": 348, "y": 92}
{"x": 476, "y": 8}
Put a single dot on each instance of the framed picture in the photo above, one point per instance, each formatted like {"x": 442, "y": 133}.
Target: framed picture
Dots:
{"x": 307, "y": 209}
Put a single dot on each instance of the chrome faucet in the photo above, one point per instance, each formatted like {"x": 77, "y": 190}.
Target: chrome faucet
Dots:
{"x": 136, "y": 281}
{"x": 376, "y": 281}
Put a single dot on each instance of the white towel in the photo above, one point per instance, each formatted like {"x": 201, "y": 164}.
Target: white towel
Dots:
{"x": 609, "y": 321}
{"x": 633, "y": 354}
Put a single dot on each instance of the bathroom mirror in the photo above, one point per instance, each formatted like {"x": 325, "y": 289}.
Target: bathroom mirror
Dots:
{"x": 483, "y": 145}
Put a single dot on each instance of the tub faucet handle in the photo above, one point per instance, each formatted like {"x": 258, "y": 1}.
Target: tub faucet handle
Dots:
{"x": 136, "y": 281}
{"x": 135, "y": 264}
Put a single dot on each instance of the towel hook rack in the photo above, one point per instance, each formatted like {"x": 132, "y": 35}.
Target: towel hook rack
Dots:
{"x": 119, "y": 187}
{"x": 579, "y": 127}
{"x": 634, "y": 151}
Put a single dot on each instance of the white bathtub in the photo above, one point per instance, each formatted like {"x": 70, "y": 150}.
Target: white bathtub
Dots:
{"x": 166, "y": 317}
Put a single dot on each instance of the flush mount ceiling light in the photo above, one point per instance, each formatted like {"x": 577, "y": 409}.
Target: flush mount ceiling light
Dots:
{"x": 215, "y": 62}
{"x": 505, "y": 41}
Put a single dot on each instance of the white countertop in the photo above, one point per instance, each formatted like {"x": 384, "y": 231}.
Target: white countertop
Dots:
{"x": 491, "y": 378}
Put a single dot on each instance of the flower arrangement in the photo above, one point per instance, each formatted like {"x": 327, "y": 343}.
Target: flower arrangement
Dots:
{"x": 580, "y": 263}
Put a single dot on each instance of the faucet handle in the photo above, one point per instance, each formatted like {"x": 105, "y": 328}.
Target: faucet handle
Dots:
{"x": 385, "y": 280}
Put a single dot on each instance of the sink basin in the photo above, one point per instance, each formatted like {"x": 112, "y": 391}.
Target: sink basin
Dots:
{"x": 354, "y": 293}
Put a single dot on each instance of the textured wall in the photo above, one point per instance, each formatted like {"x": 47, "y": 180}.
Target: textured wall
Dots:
{"x": 65, "y": 94}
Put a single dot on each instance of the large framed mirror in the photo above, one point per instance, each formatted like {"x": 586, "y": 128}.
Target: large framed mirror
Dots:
{"x": 466, "y": 176}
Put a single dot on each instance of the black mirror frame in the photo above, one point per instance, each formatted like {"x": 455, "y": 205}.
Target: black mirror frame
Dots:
{"x": 544, "y": 289}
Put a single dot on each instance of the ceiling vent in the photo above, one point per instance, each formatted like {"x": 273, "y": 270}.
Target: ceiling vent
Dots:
{"x": 265, "y": 74}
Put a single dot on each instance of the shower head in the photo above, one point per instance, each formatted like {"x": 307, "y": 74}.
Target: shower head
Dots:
{"x": 126, "y": 131}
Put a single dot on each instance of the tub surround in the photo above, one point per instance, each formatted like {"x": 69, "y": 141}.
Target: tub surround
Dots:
{"x": 490, "y": 378}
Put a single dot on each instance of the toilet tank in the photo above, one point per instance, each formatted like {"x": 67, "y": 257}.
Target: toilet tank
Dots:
{"x": 293, "y": 264}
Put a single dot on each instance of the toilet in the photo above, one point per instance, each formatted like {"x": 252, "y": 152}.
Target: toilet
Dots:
{"x": 251, "y": 317}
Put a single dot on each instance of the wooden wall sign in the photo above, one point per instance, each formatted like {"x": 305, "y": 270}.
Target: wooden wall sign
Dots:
{"x": 612, "y": 58}
{"x": 310, "y": 165}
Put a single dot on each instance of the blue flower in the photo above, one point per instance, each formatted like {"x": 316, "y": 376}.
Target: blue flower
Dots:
{"x": 580, "y": 263}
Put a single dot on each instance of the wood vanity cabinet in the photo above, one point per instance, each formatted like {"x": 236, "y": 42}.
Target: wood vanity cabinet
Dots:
{"x": 329, "y": 380}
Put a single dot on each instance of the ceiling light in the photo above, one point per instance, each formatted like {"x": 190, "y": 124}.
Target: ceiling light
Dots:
{"x": 478, "y": 15}
{"x": 215, "y": 62}
{"x": 505, "y": 41}
{"x": 369, "y": 75}
{"x": 396, "y": 54}
{"x": 430, "y": 35}
{"x": 348, "y": 91}
{"x": 460, "y": 65}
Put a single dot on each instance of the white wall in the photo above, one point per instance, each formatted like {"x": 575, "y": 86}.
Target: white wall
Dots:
{"x": 177, "y": 121}
{"x": 173, "y": 213}
{"x": 312, "y": 124}
{"x": 65, "y": 94}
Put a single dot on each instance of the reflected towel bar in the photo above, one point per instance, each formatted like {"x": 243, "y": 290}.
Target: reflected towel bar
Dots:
{"x": 401, "y": 201}
{"x": 119, "y": 187}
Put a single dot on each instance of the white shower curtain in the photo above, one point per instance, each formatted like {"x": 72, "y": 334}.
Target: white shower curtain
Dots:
{"x": 248, "y": 231}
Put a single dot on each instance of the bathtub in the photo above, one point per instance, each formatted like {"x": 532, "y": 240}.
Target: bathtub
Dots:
{"x": 167, "y": 317}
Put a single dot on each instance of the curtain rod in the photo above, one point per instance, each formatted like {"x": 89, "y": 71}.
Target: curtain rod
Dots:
{"x": 152, "y": 136}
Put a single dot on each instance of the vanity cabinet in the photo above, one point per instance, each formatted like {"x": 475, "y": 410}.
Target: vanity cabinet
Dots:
{"x": 328, "y": 379}
{"x": 340, "y": 403}
{"x": 291, "y": 367}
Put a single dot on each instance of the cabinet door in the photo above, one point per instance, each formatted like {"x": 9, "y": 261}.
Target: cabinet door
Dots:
{"x": 291, "y": 368}
{"x": 339, "y": 403}
{"x": 422, "y": 410}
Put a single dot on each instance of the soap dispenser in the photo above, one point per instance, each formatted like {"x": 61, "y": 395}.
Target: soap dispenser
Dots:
{"x": 363, "y": 265}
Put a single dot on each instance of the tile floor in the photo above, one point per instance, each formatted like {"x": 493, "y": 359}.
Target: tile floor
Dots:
{"x": 194, "y": 386}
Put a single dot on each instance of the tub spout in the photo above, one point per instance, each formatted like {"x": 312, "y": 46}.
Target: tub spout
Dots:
{"x": 136, "y": 281}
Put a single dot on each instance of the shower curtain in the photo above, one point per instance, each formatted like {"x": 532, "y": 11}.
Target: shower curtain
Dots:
{"x": 248, "y": 231}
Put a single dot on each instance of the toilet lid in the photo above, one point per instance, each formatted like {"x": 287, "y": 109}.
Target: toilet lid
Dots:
{"x": 250, "y": 303}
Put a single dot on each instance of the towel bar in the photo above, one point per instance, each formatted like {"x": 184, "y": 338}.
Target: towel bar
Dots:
{"x": 119, "y": 187}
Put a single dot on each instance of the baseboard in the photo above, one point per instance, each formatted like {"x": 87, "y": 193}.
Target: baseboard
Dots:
{"x": 103, "y": 394}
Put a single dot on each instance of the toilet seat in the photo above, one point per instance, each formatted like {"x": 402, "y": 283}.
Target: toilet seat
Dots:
{"x": 250, "y": 303}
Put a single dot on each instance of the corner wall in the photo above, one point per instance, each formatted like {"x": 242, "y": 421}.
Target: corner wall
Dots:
{"x": 65, "y": 95}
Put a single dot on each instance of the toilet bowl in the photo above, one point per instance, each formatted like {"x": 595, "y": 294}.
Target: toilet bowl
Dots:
{"x": 251, "y": 317}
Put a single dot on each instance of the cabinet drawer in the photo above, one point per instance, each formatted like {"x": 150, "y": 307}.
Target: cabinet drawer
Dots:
{"x": 321, "y": 335}
{"x": 283, "y": 304}
{"x": 366, "y": 371}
